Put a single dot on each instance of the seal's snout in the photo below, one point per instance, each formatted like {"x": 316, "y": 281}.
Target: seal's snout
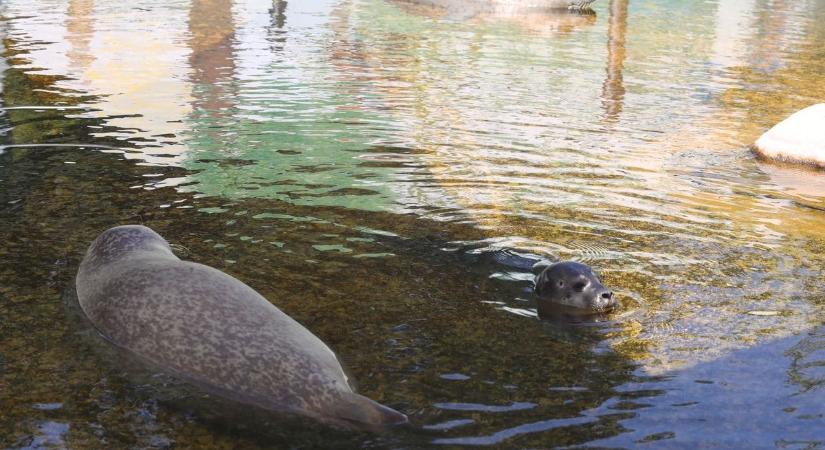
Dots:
{"x": 605, "y": 299}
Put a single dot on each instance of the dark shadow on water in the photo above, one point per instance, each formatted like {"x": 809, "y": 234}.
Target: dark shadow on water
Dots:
{"x": 770, "y": 393}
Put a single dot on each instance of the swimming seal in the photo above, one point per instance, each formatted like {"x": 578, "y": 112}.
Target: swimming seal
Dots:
{"x": 200, "y": 324}
{"x": 573, "y": 287}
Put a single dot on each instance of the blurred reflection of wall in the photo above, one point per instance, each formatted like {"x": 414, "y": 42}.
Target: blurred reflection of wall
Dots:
{"x": 80, "y": 28}
{"x": 734, "y": 22}
{"x": 211, "y": 32}
{"x": 613, "y": 91}
{"x": 133, "y": 60}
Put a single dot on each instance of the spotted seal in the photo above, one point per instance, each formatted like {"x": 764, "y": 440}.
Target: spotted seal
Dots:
{"x": 202, "y": 325}
{"x": 572, "y": 287}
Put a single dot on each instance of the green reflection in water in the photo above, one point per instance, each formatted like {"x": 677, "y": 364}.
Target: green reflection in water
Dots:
{"x": 279, "y": 128}
{"x": 314, "y": 162}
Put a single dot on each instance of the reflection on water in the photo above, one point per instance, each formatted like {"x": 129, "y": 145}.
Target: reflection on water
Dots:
{"x": 388, "y": 175}
{"x": 613, "y": 91}
{"x": 290, "y": 129}
{"x": 523, "y": 15}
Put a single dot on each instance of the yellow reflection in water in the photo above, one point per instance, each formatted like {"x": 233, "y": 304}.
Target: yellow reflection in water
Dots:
{"x": 137, "y": 70}
{"x": 658, "y": 185}
{"x": 211, "y": 31}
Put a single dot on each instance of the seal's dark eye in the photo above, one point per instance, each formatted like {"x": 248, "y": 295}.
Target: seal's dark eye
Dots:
{"x": 578, "y": 287}
{"x": 561, "y": 283}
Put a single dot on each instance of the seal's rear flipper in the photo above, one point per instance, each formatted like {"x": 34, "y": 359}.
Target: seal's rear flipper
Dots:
{"x": 361, "y": 412}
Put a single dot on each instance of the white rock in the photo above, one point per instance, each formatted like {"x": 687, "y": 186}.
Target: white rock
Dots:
{"x": 799, "y": 139}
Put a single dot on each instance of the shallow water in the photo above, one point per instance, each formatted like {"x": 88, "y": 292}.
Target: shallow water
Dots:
{"x": 385, "y": 173}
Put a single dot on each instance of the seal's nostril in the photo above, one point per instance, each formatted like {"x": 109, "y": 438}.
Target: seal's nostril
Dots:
{"x": 607, "y": 295}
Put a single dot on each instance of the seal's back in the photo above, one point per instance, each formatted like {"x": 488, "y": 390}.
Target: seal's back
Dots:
{"x": 209, "y": 328}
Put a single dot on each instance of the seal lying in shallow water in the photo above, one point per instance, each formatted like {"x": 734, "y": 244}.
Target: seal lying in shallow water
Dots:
{"x": 572, "y": 287}
{"x": 209, "y": 328}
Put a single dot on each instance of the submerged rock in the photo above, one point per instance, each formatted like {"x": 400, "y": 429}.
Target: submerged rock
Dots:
{"x": 798, "y": 139}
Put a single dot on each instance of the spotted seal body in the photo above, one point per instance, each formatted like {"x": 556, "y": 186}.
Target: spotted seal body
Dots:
{"x": 209, "y": 328}
{"x": 572, "y": 287}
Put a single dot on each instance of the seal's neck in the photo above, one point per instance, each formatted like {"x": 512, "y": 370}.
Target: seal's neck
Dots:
{"x": 107, "y": 249}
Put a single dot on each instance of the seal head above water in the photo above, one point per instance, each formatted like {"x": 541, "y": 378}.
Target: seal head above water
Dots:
{"x": 202, "y": 325}
{"x": 573, "y": 287}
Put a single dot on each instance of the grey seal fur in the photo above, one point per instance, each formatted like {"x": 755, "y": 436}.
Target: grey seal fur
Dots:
{"x": 573, "y": 287}
{"x": 198, "y": 323}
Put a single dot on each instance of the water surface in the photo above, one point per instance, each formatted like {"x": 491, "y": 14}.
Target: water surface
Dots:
{"x": 385, "y": 173}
